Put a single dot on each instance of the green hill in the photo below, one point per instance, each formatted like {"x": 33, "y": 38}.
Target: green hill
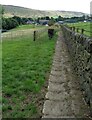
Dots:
{"x": 10, "y": 10}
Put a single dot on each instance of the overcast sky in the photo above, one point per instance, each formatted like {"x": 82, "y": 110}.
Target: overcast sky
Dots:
{"x": 67, "y": 5}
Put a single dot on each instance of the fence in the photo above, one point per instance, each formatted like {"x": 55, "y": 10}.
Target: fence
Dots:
{"x": 38, "y": 33}
{"x": 32, "y": 34}
{"x": 80, "y": 48}
{"x": 11, "y": 35}
{"x": 81, "y": 30}
{"x": 19, "y": 34}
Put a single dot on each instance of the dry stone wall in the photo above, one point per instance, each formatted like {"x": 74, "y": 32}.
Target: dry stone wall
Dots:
{"x": 80, "y": 48}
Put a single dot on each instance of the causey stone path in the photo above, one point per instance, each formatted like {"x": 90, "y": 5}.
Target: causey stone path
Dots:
{"x": 64, "y": 98}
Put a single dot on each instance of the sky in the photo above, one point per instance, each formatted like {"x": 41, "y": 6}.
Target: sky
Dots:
{"x": 67, "y": 5}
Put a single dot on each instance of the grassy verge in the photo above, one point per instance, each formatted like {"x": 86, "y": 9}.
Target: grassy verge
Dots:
{"x": 81, "y": 25}
{"x": 26, "y": 66}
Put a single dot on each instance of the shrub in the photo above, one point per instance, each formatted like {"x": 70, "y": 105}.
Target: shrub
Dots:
{"x": 9, "y": 23}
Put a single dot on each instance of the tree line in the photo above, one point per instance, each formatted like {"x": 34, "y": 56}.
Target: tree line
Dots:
{"x": 10, "y": 23}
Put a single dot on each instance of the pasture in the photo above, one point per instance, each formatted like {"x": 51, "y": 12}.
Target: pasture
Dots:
{"x": 26, "y": 66}
{"x": 29, "y": 26}
{"x": 87, "y": 26}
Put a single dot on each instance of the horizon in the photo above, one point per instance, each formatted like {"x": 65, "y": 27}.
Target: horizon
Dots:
{"x": 57, "y": 5}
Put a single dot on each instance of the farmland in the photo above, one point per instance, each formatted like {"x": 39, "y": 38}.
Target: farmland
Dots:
{"x": 26, "y": 66}
{"x": 30, "y": 26}
{"x": 81, "y": 25}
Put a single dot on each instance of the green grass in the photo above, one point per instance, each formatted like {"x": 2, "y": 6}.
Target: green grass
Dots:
{"x": 29, "y": 26}
{"x": 81, "y": 25}
{"x": 0, "y": 78}
{"x": 26, "y": 65}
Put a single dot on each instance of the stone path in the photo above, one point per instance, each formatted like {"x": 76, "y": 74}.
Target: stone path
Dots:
{"x": 64, "y": 98}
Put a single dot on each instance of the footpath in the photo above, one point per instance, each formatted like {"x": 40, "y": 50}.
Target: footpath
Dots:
{"x": 64, "y": 98}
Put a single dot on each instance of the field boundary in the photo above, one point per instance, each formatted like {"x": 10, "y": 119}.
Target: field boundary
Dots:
{"x": 80, "y": 49}
{"x": 79, "y": 28}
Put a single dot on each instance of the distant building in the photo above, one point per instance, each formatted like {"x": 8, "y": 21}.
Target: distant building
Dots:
{"x": 70, "y": 21}
{"x": 43, "y": 22}
{"x": 89, "y": 20}
{"x": 46, "y": 25}
{"x": 30, "y": 22}
{"x": 60, "y": 22}
{"x": 85, "y": 20}
{"x": 36, "y": 24}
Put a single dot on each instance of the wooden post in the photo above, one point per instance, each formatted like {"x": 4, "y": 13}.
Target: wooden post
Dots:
{"x": 34, "y": 35}
{"x": 74, "y": 29}
{"x": 50, "y": 33}
{"x": 77, "y": 29}
{"x": 82, "y": 31}
{"x": 71, "y": 28}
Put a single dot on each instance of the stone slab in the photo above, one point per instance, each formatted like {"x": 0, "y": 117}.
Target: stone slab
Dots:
{"x": 56, "y": 87}
{"x": 59, "y": 79}
{"x": 60, "y": 96}
{"x": 54, "y": 108}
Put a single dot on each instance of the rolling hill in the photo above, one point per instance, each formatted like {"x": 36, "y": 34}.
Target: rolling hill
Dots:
{"x": 10, "y": 10}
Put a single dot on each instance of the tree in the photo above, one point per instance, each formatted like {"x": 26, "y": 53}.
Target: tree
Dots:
{"x": 18, "y": 19}
{"x": 42, "y": 18}
{"x": 4, "y": 24}
{"x": 9, "y": 23}
{"x": 51, "y": 22}
{"x": 47, "y": 18}
{"x": 60, "y": 18}
{"x": 38, "y": 19}
{"x": 1, "y": 11}
{"x": 1, "y": 15}
{"x": 24, "y": 20}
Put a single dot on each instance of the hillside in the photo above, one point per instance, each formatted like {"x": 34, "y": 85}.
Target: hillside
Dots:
{"x": 10, "y": 11}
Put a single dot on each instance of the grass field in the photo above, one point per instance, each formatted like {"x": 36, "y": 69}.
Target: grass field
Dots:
{"x": 0, "y": 79}
{"x": 28, "y": 26}
{"x": 81, "y": 25}
{"x": 26, "y": 65}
